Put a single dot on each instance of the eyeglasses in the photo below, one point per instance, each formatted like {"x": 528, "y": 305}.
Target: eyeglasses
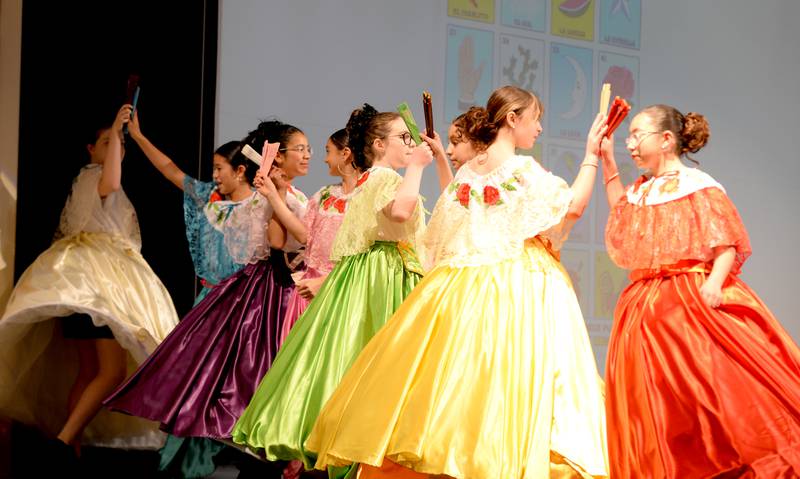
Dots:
{"x": 636, "y": 139}
{"x": 300, "y": 149}
{"x": 406, "y": 137}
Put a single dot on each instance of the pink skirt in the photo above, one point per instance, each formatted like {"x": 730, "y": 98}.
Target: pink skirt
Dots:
{"x": 297, "y": 304}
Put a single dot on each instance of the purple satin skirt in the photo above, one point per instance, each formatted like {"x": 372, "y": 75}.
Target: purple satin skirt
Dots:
{"x": 200, "y": 379}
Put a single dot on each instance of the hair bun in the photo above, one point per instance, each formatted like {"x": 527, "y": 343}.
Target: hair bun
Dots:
{"x": 478, "y": 128}
{"x": 360, "y": 118}
{"x": 695, "y": 132}
{"x": 356, "y": 128}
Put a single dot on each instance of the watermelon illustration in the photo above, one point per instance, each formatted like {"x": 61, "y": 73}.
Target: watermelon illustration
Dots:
{"x": 574, "y": 8}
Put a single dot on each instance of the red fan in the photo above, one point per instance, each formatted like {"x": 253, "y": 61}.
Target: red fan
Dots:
{"x": 619, "y": 110}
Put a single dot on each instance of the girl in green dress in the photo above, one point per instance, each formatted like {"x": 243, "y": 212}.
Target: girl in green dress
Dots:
{"x": 376, "y": 268}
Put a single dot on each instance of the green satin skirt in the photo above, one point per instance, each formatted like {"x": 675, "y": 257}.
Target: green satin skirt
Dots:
{"x": 355, "y": 301}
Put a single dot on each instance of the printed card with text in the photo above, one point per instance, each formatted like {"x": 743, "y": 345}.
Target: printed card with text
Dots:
{"x": 622, "y": 73}
{"x": 572, "y": 19}
{"x": 566, "y": 162}
{"x": 478, "y": 10}
{"x": 522, "y": 63}
{"x": 577, "y": 264}
{"x": 527, "y": 14}
{"x": 570, "y": 108}
{"x": 469, "y": 66}
{"x": 621, "y": 23}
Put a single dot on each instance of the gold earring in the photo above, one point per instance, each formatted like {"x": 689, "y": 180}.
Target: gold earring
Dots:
{"x": 339, "y": 167}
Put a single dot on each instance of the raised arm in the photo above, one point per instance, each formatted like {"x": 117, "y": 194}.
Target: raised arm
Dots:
{"x": 274, "y": 190}
{"x": 162, "y": 162}
{"x": 111, "y": 179}
{"x": 405, "y": 200}
{"x": 614, "y": 187}
{"x": 584, "y": 182}
{"x": 443, "y": 171}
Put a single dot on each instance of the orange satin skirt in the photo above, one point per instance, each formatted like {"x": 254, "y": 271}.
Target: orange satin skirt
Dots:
{"x": 696, "y": 392}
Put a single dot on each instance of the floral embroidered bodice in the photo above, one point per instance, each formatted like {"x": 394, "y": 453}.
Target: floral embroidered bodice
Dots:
{"x": 364, "y": 222}
{"x": 484, "y": 219}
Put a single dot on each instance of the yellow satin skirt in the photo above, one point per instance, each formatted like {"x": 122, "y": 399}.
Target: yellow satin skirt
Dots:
{"x": 484, "y": 371}
{"x": 94, "y": 274}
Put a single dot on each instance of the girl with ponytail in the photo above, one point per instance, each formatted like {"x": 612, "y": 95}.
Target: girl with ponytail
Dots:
{"x": 198, "y": 382}
{"x": 702, "y": 380}
{"x": 486, "y": 370}
{"x": 376, "y": 267}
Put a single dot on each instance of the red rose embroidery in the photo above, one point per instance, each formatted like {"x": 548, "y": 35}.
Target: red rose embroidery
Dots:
{"x": 339, "y": 205}
{"x": 215, "y": 196}
{"x": 463, "y": 194}
{"x": 362, "y": 178}
{"x": 490, "y": 195}
{"x": 327, "y": 203}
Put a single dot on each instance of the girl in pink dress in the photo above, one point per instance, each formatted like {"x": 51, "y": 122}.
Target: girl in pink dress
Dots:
{"x": 322, "y": 220}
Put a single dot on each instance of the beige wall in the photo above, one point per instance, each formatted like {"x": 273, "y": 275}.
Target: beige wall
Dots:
{"x": 10, "y": 41}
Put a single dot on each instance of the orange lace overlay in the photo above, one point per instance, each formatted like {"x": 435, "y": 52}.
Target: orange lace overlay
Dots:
{"x": 688, "y": 228}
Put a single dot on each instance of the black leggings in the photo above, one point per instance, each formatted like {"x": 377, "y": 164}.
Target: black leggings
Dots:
{"x": 80, "y": 326}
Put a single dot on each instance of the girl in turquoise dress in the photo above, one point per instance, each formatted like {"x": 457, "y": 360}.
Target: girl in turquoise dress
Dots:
{"x": 229, "y": 190}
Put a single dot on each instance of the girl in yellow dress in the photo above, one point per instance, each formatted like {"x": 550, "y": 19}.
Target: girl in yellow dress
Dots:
{"x": 486, "y": 369}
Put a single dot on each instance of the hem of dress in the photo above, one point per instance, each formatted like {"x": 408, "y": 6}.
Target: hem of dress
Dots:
{"x": 334, "y": 460}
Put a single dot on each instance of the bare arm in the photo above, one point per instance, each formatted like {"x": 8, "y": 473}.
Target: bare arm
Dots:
{"x": 111, "y": 179}
{"x": 614, "y": 187}
{"x": 443, "y": 171}
{"x": 584, "y": 182}
{"x": 308, "y": 288}
{"x": 276, "y": 234}
{"x": 162, "y": 162}
{"x": 405, "y": 200}
{"x": 276, "y": 197}
{"x": 711, "y": 290}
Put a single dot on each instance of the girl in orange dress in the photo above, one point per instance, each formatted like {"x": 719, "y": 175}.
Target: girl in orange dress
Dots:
{"x": 702, "y": 380}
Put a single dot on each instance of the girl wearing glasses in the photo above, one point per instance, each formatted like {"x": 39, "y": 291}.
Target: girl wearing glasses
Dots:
{"x": 203, "y": 375}
{"x": 112, "y": 309}
{"x": 702, "y": 381}
{"x": 376, "y": 268}
{"x": 323, "y": 218}
{"x": 486, "y": 370}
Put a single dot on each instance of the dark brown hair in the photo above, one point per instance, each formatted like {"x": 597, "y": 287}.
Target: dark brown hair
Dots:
{"x": 340, "y": 139}
{"x": 460, "y": 124}
{"x": 270, "y": 131}
{"x": 366, "y": 125}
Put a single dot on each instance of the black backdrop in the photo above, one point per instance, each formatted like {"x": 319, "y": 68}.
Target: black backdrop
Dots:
{"x": 76, "y": 57}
